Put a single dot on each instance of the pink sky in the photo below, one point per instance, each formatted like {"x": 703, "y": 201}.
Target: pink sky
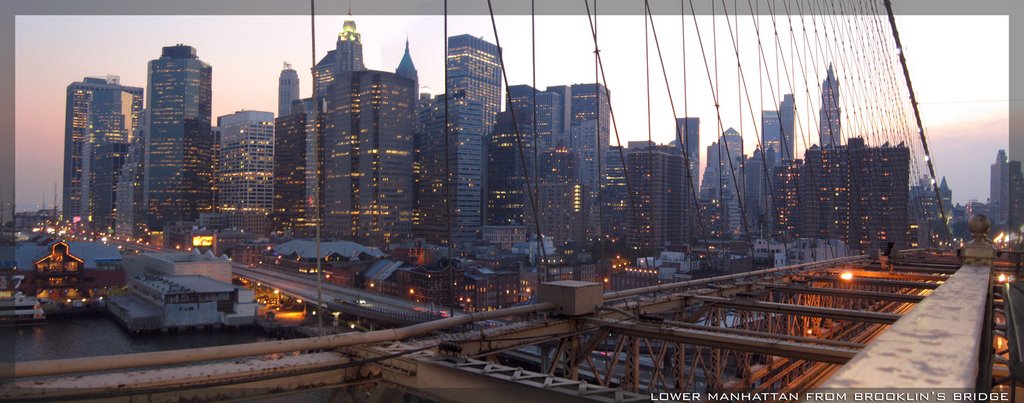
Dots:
{"x": 953, "y": 65}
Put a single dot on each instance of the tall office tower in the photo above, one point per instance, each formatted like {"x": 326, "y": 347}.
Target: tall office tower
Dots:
{"x": 563, "y": 106}
{"x": 559, "y": 197}
{"x": 464, "y": 146}
{"x": 947, "y": 196}
{"x": 856, "y": 194}
{"x": 771, "y": 133}
{"x": 829, "y": 124}
{"x": 880, "y": 190}
{"x": 473, "y": 66}
{"x": 925, "y": 222}
{"x": 591, "y": 145}
{"x": 178, "y": 179}
{"x": 287, "y": 90}
{"x": 786, "y": 203}
{"x": 589, "y": 137}
{"x": 347, "y": 56}
{"x": 408, "y": 70}
{"x": 99, "y": 119}
{"x": 787, "y": 116}
{"x": 521, "y": 96}
{"x": 1015, "y": 201}
{"x": 688, "y": 129}
{"x": 368, "y": 157}
{"x": 506, "y": 200}
{"x": 999, "y": 189}
{"x": 659, "y": 220}
{"x": 128, "y": 218}
{"x": 758, "y": 191}
{"x": 725, "y": 161}
{"x": 614, "y": 197}
{"x": 825, "y": 200}
{"x": 553, "y": 115}
{"x": 295, "y": 161}
{"x": 246, "y": 175}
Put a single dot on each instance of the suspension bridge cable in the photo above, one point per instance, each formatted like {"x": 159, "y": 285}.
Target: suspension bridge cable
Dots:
{"x": 611, "y": 110}
{"x": 448, "y": 172}
{"x": 519, "y": 143}
{"x": 723, "y": 143}
{"x": 917, "y": 115}
{"x": 675, "y": 117}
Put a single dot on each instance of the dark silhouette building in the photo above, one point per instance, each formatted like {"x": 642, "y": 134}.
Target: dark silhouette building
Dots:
{"x": 100, "y": 118}
{"x": 368, "y": 157}
{"x": 179, "y": 165}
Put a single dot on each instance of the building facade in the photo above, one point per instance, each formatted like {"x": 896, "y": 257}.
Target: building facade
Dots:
{"x": 100, "y": 118}
{"x": 245, "y": 180}
{"x": 473, "y": 66}
{"x": 368, "y": 157}
{"x": 287, "y": 89}
{"x": 347, "y": 56}
{"x": 178, "y": 163}
{"x": 450, "y": 166}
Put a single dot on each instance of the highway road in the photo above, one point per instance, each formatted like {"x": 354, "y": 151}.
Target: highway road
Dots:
{"x": 336, "y": 297}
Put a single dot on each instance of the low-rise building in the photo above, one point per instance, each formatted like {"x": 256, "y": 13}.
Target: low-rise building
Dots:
{"x": 176, "y": 302}
{"x": 180, "y": 264}
{"x": 61, "y": 271}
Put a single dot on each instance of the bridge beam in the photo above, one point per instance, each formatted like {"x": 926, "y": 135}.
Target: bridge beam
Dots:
{"x": 838, "y": 292}
{"x": 762, "y": 344}
{"x": 792, "y": 309}
{"x": 876, "y": 281}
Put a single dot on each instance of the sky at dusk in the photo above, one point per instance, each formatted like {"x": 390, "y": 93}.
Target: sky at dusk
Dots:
{"x": 959, "y": 65}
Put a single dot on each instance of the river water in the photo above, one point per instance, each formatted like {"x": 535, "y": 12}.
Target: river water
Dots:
{"x": 99, "y": 335}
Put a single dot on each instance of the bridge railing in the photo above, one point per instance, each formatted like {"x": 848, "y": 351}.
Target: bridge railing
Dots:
{"x": 195, "y": 355}
{"x": 945, "y": 341}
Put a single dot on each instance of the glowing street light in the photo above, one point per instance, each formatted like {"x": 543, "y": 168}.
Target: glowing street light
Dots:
{"x": 846, "y": 276}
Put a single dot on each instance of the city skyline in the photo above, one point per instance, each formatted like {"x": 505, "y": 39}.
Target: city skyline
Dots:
{"x": 252, "y": 86}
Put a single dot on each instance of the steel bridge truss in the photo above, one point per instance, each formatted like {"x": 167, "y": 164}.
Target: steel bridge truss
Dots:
{"x": 785, "y": 333}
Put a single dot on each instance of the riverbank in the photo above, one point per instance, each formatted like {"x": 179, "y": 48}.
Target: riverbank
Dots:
{"x": 96, "y": 334}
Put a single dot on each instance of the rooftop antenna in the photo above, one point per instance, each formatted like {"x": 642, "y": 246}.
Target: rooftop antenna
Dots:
{"x": 349, "y": 8}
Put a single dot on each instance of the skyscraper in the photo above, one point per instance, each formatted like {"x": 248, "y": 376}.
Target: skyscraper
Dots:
{"x": 771, "y": 133}
{"x": 589, "y": 139}
{"x": 129, "y": 220}
{"x": 758, "y": 190}
{"x": 407, "y": 69}
{"x": 465, "y": 148}
{"x": 99, "y": 119}
{"x": 615, "y": 221}
{"x": 473, "y": 67}
{"x": 347, "y": 56}
{"x": 245, "y": 180}
{"x": 689, "y": 130}
{"x": 368, "y": 157}
{"x": 787, "y": 116}
{"x": 179, "y": 167}
{"x": 856, "y": 194}
{"x": 724, "y": 171}
{"x": 659, "y": 220}
{"x": 1015, "y": 202}
{"x": 559, "y": 197}
{"x": 295, "y": 162}
{"x": 830, "y": 125}
{"x": 999, "y": 189}
{"x": 507, "y": 202}
{"x": 287, "y": 89}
